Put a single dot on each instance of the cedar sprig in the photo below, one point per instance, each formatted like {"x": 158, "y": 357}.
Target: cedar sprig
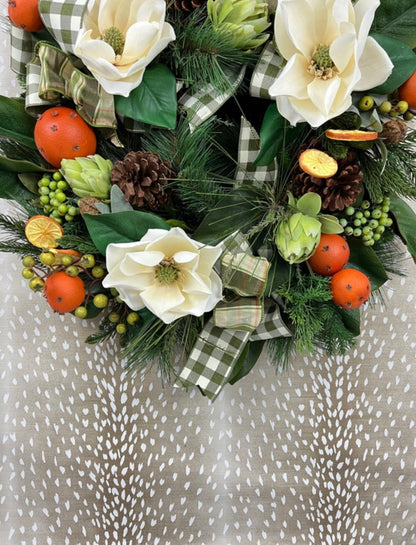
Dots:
{"x": 13, "y": 238}
{"x": 333, "y": 337}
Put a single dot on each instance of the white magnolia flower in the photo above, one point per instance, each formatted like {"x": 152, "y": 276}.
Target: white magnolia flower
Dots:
{"x": 329, "y": 55}
{"x": 166, "y": 272}
{"x": 119, "y": 38}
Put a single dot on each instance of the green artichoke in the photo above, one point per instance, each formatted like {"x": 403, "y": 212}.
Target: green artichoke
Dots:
{"x": 88, "y": 176}
{"x": 244, "y": 20}
{"x": 297, "y": 237}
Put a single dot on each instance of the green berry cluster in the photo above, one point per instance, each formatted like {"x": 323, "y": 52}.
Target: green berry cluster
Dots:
{"x": 367, "y": 221}
{"x": 54, "y": 199}
{"x": 392, "y": 107}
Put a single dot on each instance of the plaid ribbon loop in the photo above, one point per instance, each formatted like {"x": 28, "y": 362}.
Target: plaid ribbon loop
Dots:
{"x": 265, "y": 72}
{"x": 52, "y": 73}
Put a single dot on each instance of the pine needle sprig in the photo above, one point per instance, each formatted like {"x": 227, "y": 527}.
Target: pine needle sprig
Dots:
{"x": 281, "y": 351}
{"x": 302, "y": 296}
{"x": 13, "y": 238}
{"x": 333, "y": 337}
{"x": 395, "y": 175}
{"x": 200, "y": 53}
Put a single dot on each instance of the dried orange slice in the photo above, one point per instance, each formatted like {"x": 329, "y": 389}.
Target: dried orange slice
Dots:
{"x": 351, "y": 135}
{"x": 43, "y": 231}
{"x": 317, "y": 163}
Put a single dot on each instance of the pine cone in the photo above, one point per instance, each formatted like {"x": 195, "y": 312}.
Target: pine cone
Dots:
{"x": 187, "y": 5}
{"x": 336, "y": 192}
{"x": 393, "y": 131}
{"x": 142, "y": 177}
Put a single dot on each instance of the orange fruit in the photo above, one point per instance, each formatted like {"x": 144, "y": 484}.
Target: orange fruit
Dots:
{"x": 25, "y": 14}
{"x": 407, "y": 91}
{"x": 350, "y": 288}
{"x": 331, "y": 254}
{"x": 61, "y": 133}
{"x": 43, "y": 231}
{"x": 318, "y": 163}
{"x": 64, "y": 293}
{"x": 351, "y": 135}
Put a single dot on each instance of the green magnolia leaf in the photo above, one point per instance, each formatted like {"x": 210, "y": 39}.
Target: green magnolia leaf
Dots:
{"x": 233, "y": 212}
{"x": 12, "y": 189}
{"x": 397, "y": 19}
{"x": 30, "y": 181}
{"x": 351, "y": 319}
{"x": 246, "y": 361}
{"x": 403, "y": 58}
{"x": 275, "y": 135}
{"x": 129, "y": 226}
{"x": 154, "y": 101}
{"x": 365, "y": 260}
{"x": 279, "y": 273}
{"x": 406, "y": 222}
{"x": 16, "y": 165}
{"x": 15, "y": 123}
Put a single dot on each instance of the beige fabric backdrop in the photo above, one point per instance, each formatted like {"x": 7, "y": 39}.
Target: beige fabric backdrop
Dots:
{"x": 323, "y": 453}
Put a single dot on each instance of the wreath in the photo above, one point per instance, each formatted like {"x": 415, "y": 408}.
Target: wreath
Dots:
{"x": 211, "y": 177}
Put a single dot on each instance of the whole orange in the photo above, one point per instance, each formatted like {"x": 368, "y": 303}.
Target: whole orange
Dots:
{"x": 61, "y": 133}
{"x": 25, "y": 14}
{"x": 350, "y": 288}
{"x": 64, "y": 293}
{"x": 331, "y": 254}
{"x": 407, "y": 91}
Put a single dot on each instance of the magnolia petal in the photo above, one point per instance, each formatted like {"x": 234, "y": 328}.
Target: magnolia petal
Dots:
{"x": 160, "y": 299}
{"x": 291, "y": 111}
{"x": 176, "y": 241}
{"x": 375, "y": 66}
{"x": 134, "y": 48}
{"x": 364, "y": 16}
{"x": 193, "y": 283}
{"x": 116, "y": 252}
{"x": 342, "y": 49}
{"x": 323, "y": 93}
{"x": 185, "y": 258}
{"x": 146, "y": 259}
{"x": 293, "y": 80}
{"x": 208, "y": 255}
{"x": 293, "y": 31}
{"x": 94, "y": 49}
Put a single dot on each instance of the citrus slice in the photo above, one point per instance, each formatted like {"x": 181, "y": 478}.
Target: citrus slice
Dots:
{"x": 317, "y": 163}
{"x": 351, "y": 135}
{"x": 43, "y": 231}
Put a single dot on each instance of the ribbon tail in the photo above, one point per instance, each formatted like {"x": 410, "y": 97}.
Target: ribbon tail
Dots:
{"x": 212, "y": 359}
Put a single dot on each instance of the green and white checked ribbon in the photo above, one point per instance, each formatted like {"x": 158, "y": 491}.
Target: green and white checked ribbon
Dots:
{"x": 248, "y": 150}
{"x": 52, "y": 74}
{"x": 234, "y": 323}
{"x": 265, "y": 72}
{"x": 201, "y": 104}
{"x": 62, "y": 18}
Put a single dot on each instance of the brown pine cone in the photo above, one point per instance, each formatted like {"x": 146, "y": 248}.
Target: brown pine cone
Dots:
{"x": 338, "y": 191}
{"x": 142, "y": 176}
{"x": 394, "y": 131}
{"x": 186, "y": 5}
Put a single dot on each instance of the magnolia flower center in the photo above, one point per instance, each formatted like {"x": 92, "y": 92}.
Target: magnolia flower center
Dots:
{"x": 167, "y": 271}
{"x": 114, "y": 37}
{"x": 321, "y": 65}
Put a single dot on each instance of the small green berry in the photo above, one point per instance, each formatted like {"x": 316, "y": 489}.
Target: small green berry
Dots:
{"x": 349, "y": 211}
{"x": 28, "y": 273}
{"x": 36, "y": 284}
{"x": 402, "y": 106}
{"x": 357, "y": 232}
{"x": 47, "y": 258}
{"x": 385, "y": 107}
{"x": 87, "y": 260}
{"x": 132, "y": 318}
{"x": 408, "y": 116}
{"x": 114, "y": 317}
{"x": 97, "y": 272}
{"x": 121, "y": 328}
{"x": 366, "y": 103}
{"x": 81, "y": 312}
{"x": 72, "y": 270}
{"x": 100, "y": 300}
{"x": 28, "y": 261}
{"x": 57, "y": 176}
{"x": 348, "y": 230}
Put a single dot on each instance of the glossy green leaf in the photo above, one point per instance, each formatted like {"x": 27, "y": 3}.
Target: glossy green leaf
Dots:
{"x": 30, "y": 181}
{"x": 15, "y": 165}
{"x": 351, "y": 319}
{"x": 403, "y": 58}
{"x": 154, "y": 101}
{"x": 279, "y": 273}
{"x": 15, "y": 123}
{"x": 397, "y": 19}
{"x": 246, "y": 361}
{"x": 275, "y": 135}
{"x": 406, "y": 222}
{"x": 365, "y": 260}
{"x": 12, "y": 189}
{"x": 129, "y": 226}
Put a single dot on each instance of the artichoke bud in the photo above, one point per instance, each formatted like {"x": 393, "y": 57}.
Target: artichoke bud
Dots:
{"x": 297, "y": 237}
{"x": 243, "y": 20}
{"x": 88, "y": 176}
